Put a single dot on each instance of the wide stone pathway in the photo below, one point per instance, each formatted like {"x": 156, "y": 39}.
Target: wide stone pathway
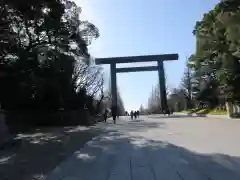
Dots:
{"x": 155, "y": 149}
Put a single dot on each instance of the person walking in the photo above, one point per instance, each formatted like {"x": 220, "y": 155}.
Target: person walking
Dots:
{"x": 135, "y": 115}
{"x": 131, "y": 115}
{"x": 114, "y": 114}
{"x": 105, "y": 115}
{"x": 138, "y": 113}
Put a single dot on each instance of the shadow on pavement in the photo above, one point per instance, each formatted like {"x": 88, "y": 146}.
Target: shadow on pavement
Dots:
{"x": 165, "y": 160}
{"x": 40, "y": 150}
{"x": 138, "y": 125}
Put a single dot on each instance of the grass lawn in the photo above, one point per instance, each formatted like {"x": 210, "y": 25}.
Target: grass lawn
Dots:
{"x": 218, "y": 112}
{"x": 205, "y": 111}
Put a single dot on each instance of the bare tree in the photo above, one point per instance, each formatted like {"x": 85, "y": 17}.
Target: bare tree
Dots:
{"x": 176, "y": 100}
{"x": 186, "y": 85}
{"x": 89, "y": 77}
{"x": 141, "y": 109}
{"x": 103, "y": 100}
{"x": 154, "y": 99}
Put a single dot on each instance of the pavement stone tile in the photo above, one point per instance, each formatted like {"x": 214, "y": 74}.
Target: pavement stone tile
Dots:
{"x": 119, "y": 177}
{"x": 142, "y": 173}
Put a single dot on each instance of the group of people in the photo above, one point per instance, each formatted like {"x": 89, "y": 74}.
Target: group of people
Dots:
{"x": 134, "y": 114}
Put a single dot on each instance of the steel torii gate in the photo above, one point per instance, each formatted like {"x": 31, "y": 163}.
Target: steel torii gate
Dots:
{"x": 134, "y": 59}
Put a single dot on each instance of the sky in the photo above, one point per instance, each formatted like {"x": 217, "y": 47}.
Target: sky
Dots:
{"x": 141, "y": 27}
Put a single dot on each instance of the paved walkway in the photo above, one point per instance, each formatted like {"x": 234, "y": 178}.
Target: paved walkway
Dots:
{"x": 158, "y": 148}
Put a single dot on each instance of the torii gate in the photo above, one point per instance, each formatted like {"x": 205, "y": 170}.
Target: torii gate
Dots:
{"x": 134, "y": 59}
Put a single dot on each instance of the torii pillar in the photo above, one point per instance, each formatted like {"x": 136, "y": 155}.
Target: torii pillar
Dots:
{"x": 113, "y": 85}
